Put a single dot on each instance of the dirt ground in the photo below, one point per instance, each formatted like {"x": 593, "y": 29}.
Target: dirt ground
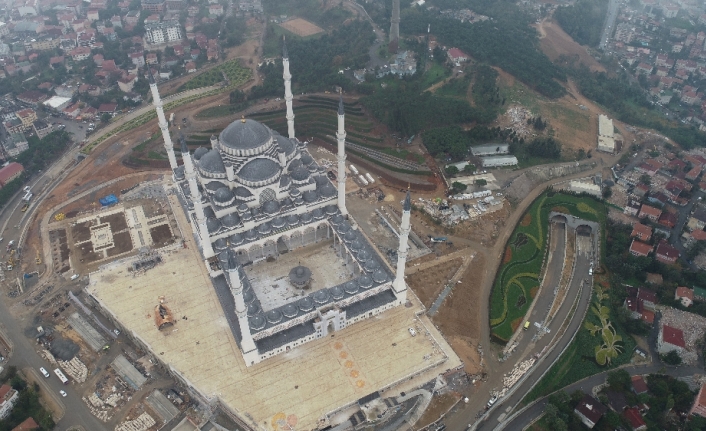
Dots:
{"x": 439, "y": 405}
{"x": 301, "y": 27}
{"x": 555, "y": 42}
{"x": 429, "y": 283}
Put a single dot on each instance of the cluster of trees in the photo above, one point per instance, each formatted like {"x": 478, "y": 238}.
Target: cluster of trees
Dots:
{"x": 547, "y": 148}
{"x": 537, "y": 123}
{"x": 44, "y": 151}
{"x": 449, "y": 140}
{"x": 583, "y": 20}
{"x": 506, "y": 41}
{"x": 308, "y": 9}
{"x": 27, "y": 405}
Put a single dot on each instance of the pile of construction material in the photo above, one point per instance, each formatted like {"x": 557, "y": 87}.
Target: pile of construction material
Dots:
{"x": 75, "y": 368}
{"x": 515, "y": 375}
{"x": 141, "y": 423}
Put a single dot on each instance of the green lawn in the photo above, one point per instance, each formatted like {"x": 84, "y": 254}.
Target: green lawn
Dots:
{"x": 236, "y": 73}
{"x": 516, "y": 281}
{"x": 435, "y": 74}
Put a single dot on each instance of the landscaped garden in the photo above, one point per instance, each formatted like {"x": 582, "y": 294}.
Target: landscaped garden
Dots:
{"x": 233, "y": 70}
{"x": 517, "y": 283}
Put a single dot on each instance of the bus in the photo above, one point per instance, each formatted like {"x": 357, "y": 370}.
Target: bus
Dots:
{"x": 61, "y": 376}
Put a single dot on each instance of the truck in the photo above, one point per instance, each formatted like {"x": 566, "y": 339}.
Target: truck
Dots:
{"x": 353, "y": 169}
{"x": 438, "y": 239}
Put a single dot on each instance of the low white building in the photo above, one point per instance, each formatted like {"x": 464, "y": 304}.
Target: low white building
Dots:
{"x": 57, "y": 103}
{"x": 584, "y": 187}
{"x": 498, "y": 161}
{"x": 490, "y": 150}
{"x": 606, "y": 138}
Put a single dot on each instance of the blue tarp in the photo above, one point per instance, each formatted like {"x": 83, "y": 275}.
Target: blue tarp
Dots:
{"x": 108, "y": 200}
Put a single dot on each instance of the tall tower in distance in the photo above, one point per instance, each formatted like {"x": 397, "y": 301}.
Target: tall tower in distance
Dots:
{"x": 163, "y": 125}
{"x": 341, "y": 137}
{"x": 399, "y": 285}
{"x": 288, "y": 90}
{"x": 395, "y": 21}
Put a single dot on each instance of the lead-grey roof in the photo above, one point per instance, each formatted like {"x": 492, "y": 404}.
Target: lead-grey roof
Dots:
{"x": 200, "y": 151}
{"x": 300, "y": 174}
{"x": 285, "y": 145}
{"x": 244, "y": 135}
{"x": 212, "y": 162}
{"x": 223, "y": 194}
{"x": 259, "y": 169}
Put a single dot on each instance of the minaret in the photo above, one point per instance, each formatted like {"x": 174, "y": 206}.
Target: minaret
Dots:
{"x": 399, "y": 285}
{"x": 395, "y": 21}
{"x": 163, "y": 125}
{"x": 196, "y": 199}
{"x": 341, "y": 136}
{"x": 288, "y": 90}
{"x": 247, "y": 345}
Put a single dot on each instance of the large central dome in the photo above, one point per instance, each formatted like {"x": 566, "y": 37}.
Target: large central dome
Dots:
{"x": 245, "y": 135}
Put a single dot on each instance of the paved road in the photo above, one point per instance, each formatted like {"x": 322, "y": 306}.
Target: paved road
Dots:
{"x": 609, "y": 23}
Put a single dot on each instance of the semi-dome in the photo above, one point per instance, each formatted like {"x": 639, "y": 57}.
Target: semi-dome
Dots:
{"x": 212, "y": 224}
{"x": 200, "y": 152}
{"x": 223, "y": 196}
{"x": 284, "y": 181}
{"x": 285, "y": 145}
{"x": 211, "y": 162}
{"x": 212, "y": 186}
{"x": 243, "y": 135}
{"x": 231, "y": 220}
{"x": 259, "y": 169}
{"x": 242, "y": 193}
{"x": 310, "y": 196}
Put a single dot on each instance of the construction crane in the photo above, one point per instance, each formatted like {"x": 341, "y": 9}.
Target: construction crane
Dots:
{"x": 38, "y": 259}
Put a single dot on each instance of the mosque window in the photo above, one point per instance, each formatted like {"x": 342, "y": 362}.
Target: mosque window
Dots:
{"x": 267, "y": 195}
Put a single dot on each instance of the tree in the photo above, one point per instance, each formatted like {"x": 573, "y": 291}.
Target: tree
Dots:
{"x": 645, "y": 179}
{"x": 619, "y": 380}
{"x": 106, "y": 117}
{"x": 469, "y": 168}
{"x": 451, "y": 170}
{"x": 458, "y": 187}
{"x": 671, "y": 358}
{"x": 481, "y": 182}
{"x": 607, "y": 192}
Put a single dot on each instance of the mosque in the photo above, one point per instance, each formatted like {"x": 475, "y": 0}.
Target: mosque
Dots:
{"x": 255, "y": 196}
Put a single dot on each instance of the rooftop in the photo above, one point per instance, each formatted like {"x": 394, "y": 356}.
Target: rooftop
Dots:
{"x": 673, "y": 336}
{"x": 638, "y": 385}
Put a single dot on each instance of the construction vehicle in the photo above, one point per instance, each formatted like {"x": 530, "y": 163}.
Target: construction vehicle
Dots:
{"x": 60, "y": 217}
{"x": 24, "y": 207}
{"x": 38, "y": 259}
{"x": 11, "y": 260}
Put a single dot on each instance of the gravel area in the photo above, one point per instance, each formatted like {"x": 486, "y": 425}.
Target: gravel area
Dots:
{"x": 693, "y": 326}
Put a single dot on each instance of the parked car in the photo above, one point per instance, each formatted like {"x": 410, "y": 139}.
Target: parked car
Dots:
{"x": 44, "y": 372}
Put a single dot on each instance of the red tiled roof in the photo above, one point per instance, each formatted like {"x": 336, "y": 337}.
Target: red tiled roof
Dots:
{"x": 28, "y": 425}
{"x": 639, "y": 229}
{"x": 638, "y": 385}
{"x": 640, "y": 248}
{"x": 667, "y": 250}
{"x": 673, "y": 336}
{"x": 648, "y": 316}
{"x": 9, "y": 171}
{"x": 648, "y": 210}
{"x": 4, "y": 390}
{"x": 698, "y": 235}
{"x": 685, "y": 292}
{"x": 456, "y": 53}
{"x": 634, "y": 418}
{"x": 646, "y": 295}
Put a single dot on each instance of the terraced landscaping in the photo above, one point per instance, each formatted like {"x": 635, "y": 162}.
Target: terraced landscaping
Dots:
{"x": 316, "y": 117}
{"x": 233, "y": 71}
{"x": 516, "y": 283}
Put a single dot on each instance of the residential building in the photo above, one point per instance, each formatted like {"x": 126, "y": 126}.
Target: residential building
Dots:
{"x": 15, "y": 144}
{"x": 32, "y": 97}
{"x": 590, "y": 411}
{"x": 665, "y": 253}
{"x": 670, "y": 339}
{"x": 684, "y": 295}
{"x": 215, "y": 9}
{"x": 697, "y": 220}
{"x": 153, "y": 5}
{"x": 163, "y": 32}
{"x": 132, "y": 17}
{"x": 27, "y": 116}
{"x": 81, "y": 53}
{"x": 8, "y": 399}
{"x": 137, "y": 58}
{"x": 634, "y": 418}
{"x": 13, "y": 125}
{"x": 651, "y": 213}
{"x": 190, "y": 67}
{"x": 699, "y": 406}
{"x": 28, "y": 424}
{"x": 640, "y": 249}
{"x": 9, "y": 173}
{"x": 642, "y": 232}
{"x": 107, "y": 108}
{"x": 632, "y": 208}
{"x": 457, "y": 56}
{"x": 585, "y": 187}
{"x": 127, "y": 83}
{"x": 41, "y": 128}
{"x": 639, "y": 386}
{"x": 641, "y": 304}
{"x": 667, "y": 219}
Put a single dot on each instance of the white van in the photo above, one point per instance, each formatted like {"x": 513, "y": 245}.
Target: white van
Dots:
{"x": 44, "y": 372}
{"x": 74, "y": 277}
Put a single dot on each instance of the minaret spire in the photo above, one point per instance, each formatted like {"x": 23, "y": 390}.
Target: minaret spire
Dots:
{"x": 399, "y": 285}
{"x": 163, "y": 125}
{"x": 341, "y": 157}
{"x": 196, "y": 199}
{"x": 247, "y": 344}
{"x": 395, "y": 21}
{"x": 288, "y": 89}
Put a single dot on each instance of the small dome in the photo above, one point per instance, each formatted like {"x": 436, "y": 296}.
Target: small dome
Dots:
{"x": 295, "y": 193}
{"x": 371, "y": 266}
{"x": 270, "y": 207}
{"x": 336, "y": 292}
{"x": 242, "y": 208}
{"x": 211, "y": 162}
{"x": 251, "y": 235}
{"x": 257, "y": 322}
{"x": 212, "y": 224}
{"x": 264, "y": 228}
{"x": 305, "y": 218}
{"x": 292, "y": 220}
{"x": 248, "y": 297}
{"x": 321, "y": 180}
{"x": 273, "y": 316}
{"x": 365, "y": 281}
{"x": 212, "y": 186}
{"x": 305, "y": 304}
{"x": 344, "y": 227}
{"x": 337, "y": 219}
{"x": 331, "y": 209}
{"x": 327, "y": 191}
{"x": 208, "y": 211}
{"x": 223, "y": 196}
{"x": 253, "y": 309}
{"x": 313, "y": 168}
{"x": 286, "y": 202}
{"x": 300, "y": 174}
{"x": 200, "y": 152}
{"x": 298, "y": 201}
{"x": 231, "y": 220}
{"x": 179, "y": 173}
{"x": 220, "y": 244}
{"x": 235, "y": 239}
{"x": 318, "y": 214}
{"x": 295, "y": 164}
{"x": 350, "y": 287}
{"x": 259, "y": 169}
{"x": 246, "y": 216}
{"x": 310, "y": 196}
{"x": 290, "y": 310}
{"x": 244, "y": 135}
{"x": 284, "y": 181}
{"x": 363, "y": 255}
{"x": 242, "y": 193}
{"x": 307, "y": 159}
{"x": 278, "y": 222}
{"x": 349, "y": 237}
{"x": 321, "y": 296}
{"x": 379, "y": 276}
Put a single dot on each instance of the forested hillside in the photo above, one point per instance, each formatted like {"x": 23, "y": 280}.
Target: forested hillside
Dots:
{"x": 583, "y": 21}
